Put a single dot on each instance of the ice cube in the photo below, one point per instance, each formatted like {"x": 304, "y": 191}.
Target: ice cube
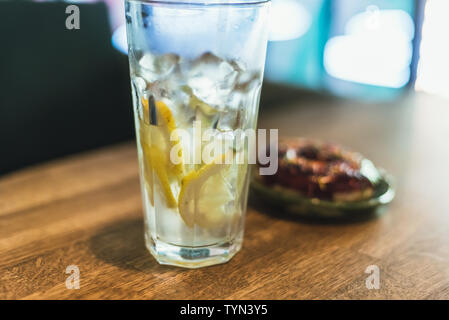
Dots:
{"x": 153, "y": 67}
{"x": 169, "y": 88}
{"x": 247, "y": 81}
{"x": 212, "y": 79}
{"x": 235, "y": 100}
{"x": 140, "y": 84}
{"x": 183, "y": 113}
{"x": 230, "y": 120}
{"x": 238, "y": 66}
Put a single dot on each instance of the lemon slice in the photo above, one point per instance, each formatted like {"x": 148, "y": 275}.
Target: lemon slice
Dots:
{"x": 145, "y": 142}
{"x": 156, "y": 145}
{"x": 156, "y": 160}
{"x": 161, "y": 138}
{"x": 204, "y": 195}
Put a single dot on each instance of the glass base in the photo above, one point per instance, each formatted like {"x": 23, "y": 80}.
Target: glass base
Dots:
{"x": 192, "y": 257}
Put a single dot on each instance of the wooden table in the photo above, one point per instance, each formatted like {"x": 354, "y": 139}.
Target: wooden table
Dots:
{"x": 86, "y": 211}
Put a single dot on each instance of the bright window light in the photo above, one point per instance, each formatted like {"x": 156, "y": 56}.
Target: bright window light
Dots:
{"x": 289, "y": 19}
{"x": 433, "y": 66}
{"x": 376, "y": 49}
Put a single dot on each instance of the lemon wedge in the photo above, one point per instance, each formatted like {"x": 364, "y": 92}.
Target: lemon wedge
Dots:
{"x": 157, "y": 161}
{"x": 145, "y": 142}
{"x": 164, "y": 135}
{"x": 156, "y": 146}
{"x": 205, "y": 195}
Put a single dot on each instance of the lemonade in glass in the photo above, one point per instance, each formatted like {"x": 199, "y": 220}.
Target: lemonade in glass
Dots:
{"x": 196, "y": 75}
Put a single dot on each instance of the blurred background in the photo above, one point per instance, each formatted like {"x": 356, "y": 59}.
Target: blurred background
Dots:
{"x": 65, "y": 91}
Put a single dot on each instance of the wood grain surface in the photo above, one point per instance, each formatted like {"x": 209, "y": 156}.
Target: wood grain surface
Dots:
{"x": 86, "y": 210}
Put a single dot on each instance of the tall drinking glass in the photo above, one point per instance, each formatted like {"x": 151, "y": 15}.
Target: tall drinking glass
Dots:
{"x": 196, "y": 75}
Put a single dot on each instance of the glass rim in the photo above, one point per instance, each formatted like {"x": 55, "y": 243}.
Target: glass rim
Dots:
{"x": 205, "y": 2}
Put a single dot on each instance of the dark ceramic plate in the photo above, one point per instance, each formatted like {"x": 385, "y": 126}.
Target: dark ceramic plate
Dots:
{"x": 292, "y": 202}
